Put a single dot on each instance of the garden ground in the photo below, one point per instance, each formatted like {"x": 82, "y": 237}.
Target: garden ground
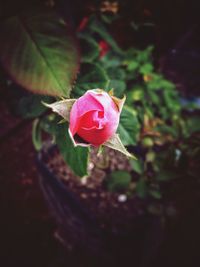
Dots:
{"x": 28, "y": 232}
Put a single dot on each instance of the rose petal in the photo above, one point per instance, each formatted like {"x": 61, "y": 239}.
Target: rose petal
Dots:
{"x": 94, "y": 117}
{"x": 93, "y": 120}
{"x": 83, "y": 105}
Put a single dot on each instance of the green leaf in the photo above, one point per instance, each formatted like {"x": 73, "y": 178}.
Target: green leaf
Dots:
{"x": 109, "y": 18}
{"x": 39, "y": 53}
{"x": 192, "y": 124}
{"x": 165, "y": 175}
{"x": 146, "y": 68}
{"x": 111, "y": 60}
{"x": 116, "y": 80}
{"x": 154, "y": 97}
{"x": 158, "y": 82}
{"x": 115, "y": 143}
{"x": 36, "y": 135}
{"x": 118, "y": 86}
{"x": 145, "y": 55}
{"x": 141, "y": 188}
{"x": 116, "y": 73}
{"x": 97, "y": 27}
{"x": 155, "y": 193}
{"x": 31, "y": 106}
{"x": 91, "y": 76}
{"x": 118, "y": 180}
{"x": 49, "y": 123}
{"x": 166, "y": 129}
{"x": 128, "y": 127}
{"x": 137, "y": 166}
{"x": 89, "y": 48}
{"x": 136, "y": 94}
{"x": 132, "y": 65}
{"x": 75, "y": 157}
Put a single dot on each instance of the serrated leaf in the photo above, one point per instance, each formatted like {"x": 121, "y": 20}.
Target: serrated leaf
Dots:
{"x": 39, "y": 53}
{"x": 118, "y": 180}
{"x": 75, "y": 157}
{"x": 62, "y": 107}
{"x": 129, "y": 126}
{"x": 115, "y": 143}
{"x": 36, "y": 135}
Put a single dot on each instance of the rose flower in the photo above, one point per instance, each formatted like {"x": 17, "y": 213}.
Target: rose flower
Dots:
{"x": 94, "y": 117}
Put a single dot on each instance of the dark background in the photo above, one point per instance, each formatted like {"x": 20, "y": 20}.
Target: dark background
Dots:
{"x": 27, "y": 231}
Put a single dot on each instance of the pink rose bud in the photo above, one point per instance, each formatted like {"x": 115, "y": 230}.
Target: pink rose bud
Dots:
{"x": 94, "y": 117}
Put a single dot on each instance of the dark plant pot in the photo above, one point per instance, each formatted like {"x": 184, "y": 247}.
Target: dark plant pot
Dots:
{"x": 78, "y": 228}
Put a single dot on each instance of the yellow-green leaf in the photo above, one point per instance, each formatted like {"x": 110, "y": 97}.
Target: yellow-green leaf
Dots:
{"x": 39, "y": 53}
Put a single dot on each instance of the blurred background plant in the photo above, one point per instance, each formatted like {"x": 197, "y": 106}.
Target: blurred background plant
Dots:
{"x": 47, "y": 52}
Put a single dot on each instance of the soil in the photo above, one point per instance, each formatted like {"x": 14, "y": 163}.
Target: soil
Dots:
{"x": 111, "y": 213}
{"x": 7, "y": 119}
{"x": 106, "y": 227}
{"x": 28, "y": 231}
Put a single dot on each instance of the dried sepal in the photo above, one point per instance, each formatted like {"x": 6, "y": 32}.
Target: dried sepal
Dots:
{"x": 119, "y": 102}
{"x": 115, "y": 143}
{"x": 62, "y": 107}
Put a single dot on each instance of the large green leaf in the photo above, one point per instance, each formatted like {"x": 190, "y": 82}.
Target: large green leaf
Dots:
{"x": 75, "y": 157}
{"x": 39, "y": 53}
{"x": 128, "y": 127}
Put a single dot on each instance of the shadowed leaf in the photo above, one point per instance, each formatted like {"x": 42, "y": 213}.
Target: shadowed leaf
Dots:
{"x": 36, "y": 135}
{"x": 129, "y": 126}
{"x": 39, "y": 53}
{"x": 75, "y": 157}
{"x": 118, "y": 180}
{"x": 91, "y": 76}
